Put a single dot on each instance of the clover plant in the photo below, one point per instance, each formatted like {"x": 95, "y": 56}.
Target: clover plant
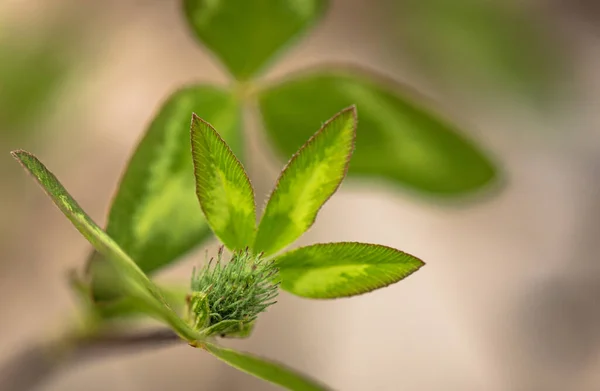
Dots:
{"x": 402, "y": 140}
{"x": 226, "y": 297}
{"x": 154, "y": 218}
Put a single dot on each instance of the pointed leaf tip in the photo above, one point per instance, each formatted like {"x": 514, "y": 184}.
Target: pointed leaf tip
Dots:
{"x": 223, "y": 188}
{"x": 333, "y": 270}
{"x": 84, "y": 224}
{"x": 130, "y": 277}
{"x": 196, "y": 118}
{"x": 311, "y": 177}
{"x": 403, "y": 139}
{"x": 19, "y": 153}
{"x": 154, "y": 215}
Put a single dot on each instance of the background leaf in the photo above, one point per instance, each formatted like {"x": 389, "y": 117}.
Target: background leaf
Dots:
{"x": 266, "y": 370}
{"x": 132, "y": 280}
{"x": 223, "y": 188}
{"x": 245, "y": 35}
{"x": 33, "y": 71}
{"x": 155, "y": 216}
{"x": 127, "y": 307}
{"x": 482, "y": 45}
{"x": 312, "y": 176}
{"x": 331, "y": 270}
{"x": 398, "y": 139}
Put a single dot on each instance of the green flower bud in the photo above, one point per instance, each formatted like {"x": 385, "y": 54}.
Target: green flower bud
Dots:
{"x": 227, "y": 297}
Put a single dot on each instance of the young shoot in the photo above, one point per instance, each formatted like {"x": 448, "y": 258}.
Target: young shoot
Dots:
{"x": 227, "y": 297}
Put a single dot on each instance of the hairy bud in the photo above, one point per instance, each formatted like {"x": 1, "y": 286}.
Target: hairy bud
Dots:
{"x": 227, "y": 297}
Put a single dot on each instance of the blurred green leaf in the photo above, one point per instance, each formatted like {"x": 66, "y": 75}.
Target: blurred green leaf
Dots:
{"x": 128, "y": 307}
{"x": 267, "y": 370}
{"x": 332, "y": 270}
{"x": 223, "y": 188}
{"x": 397, "y": 139}
{"x": 32, "y": 71}
{"x": 155, "y": 216}
{"x": 245, "y": 35}
{"x": 312, "y": 176}
{"x": 130, "y": 277}
{"x": 480, "y": 44}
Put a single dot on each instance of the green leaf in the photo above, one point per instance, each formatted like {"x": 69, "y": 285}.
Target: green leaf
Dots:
{"x": 266, "y": 370}
{"x": 245, "y": 35}
{"x": 130, "y": 276}
{"x": 331, "y": 270}
{"x": 155, "y": 216}
{"x": 398, "y": 139}
{"x": 33, "y": 70}
{"x": 482, "y": 46}
{"x": 312, "y": 176}
{"x": 223, "y": 188}
{"x": 84, "y": 224}
{"x": 127, "y": 307}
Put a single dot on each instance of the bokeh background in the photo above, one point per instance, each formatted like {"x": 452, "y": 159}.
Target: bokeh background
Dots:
{"x": 509, "y": 297}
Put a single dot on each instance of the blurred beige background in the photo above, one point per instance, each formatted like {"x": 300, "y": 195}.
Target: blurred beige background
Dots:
{"x": 507, "y": 301}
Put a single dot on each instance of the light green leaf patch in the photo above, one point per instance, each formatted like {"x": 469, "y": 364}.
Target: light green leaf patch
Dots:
{"x": 155, "y": 216}
{"x": 131, "y": 278}
{"x": 245, "y": 35}
{"x": 399, "y": 139}
{"x": 223, "y": 188}
{"x": 312, "y": 176}
{"x": 332, "y": 270}
{"x": 267, "y": 370}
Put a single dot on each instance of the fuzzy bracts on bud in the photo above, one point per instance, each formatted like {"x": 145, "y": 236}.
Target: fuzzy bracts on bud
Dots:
{"x": 227, "y": 297}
